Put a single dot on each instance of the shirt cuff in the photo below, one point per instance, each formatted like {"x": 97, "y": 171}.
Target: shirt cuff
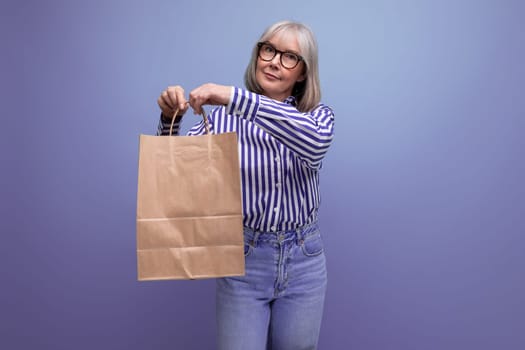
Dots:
{"x": 165, "y": 125}
{"x": 243, "y": 103}
{"x": 230, "y": 101}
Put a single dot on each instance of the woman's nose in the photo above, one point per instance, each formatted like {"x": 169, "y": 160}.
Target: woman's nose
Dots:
{"x": 276, "y": 60}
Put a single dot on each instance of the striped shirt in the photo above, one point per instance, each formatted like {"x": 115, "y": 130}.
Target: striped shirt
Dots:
{"x": 280, "y": 153}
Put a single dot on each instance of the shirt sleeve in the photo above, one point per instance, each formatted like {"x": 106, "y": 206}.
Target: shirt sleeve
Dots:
{"x": 163, "y": 128}
{"x": 309, "y": 135}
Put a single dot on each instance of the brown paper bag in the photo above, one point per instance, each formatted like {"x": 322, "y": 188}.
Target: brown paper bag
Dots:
{"x": 189, "y": 213}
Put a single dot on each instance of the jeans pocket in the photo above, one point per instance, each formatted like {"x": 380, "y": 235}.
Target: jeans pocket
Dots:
{"x": 312, "y": 245}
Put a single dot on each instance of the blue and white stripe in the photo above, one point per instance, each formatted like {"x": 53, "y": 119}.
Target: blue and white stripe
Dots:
{"x": 280, "y": 152}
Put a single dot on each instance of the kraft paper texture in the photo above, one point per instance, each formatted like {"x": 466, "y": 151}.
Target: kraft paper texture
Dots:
{"x": 189, "y": 211}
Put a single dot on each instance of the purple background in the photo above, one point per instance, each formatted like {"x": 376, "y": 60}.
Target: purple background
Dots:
{"x": 423, "y": 207}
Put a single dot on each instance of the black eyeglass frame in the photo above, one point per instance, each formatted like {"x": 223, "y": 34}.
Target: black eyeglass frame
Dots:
{"x": 260, "y": 45}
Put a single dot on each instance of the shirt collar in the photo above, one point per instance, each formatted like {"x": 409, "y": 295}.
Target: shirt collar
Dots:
{"x": 291, "y": 100}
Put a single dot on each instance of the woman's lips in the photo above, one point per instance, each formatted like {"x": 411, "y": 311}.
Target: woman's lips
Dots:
{"x": 271, "y": 76}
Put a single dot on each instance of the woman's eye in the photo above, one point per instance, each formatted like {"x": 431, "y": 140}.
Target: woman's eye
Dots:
{"x": 290, "y": 56}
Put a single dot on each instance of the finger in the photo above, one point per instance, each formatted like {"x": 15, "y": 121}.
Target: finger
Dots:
{"x": 181, "y": 100}
{"x": 197, "y": 99}
{"x": 164, "y": 107}
{"x": 197, "y": 107}
{"x": 195, "y": 103}
{"x": 176, "y": 96}
{"x": 165, "y": 100}
{"x": 185, "y": 107}
{"x": 171, "y": 96}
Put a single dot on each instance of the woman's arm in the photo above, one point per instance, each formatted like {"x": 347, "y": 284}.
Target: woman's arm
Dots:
{"x": 308, "y": 134}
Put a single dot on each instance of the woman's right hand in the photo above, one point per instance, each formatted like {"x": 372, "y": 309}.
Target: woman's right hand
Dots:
{"x": 172, "y": 99}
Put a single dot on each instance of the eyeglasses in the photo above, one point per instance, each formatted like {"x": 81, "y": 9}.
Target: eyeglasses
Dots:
{"x": 289, "y": 59}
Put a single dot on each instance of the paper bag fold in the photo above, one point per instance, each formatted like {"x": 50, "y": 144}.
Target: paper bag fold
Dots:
{"x": 189, "y": 211}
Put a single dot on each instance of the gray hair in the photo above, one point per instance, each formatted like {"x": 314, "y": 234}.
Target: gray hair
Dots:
{"x": 306, "y": 92}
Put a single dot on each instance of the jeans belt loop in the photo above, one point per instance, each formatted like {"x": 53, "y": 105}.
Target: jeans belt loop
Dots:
{"x": 299, "y": 236}
{"x": 255, "y": 238}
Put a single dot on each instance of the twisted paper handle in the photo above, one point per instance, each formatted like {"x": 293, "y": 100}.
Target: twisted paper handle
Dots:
{"x": 203, "y": 113}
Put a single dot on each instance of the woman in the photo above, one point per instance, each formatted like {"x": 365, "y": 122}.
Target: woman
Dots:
{"x": 283, "y": 133}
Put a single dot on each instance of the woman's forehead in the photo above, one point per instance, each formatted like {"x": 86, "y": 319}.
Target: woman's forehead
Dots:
{"x": 285, "y": 40}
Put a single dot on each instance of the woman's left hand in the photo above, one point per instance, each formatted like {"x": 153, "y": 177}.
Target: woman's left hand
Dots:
{"x": 209, "y": 94}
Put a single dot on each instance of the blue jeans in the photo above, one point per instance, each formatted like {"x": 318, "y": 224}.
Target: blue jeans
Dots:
{"x": 278, "y": 304}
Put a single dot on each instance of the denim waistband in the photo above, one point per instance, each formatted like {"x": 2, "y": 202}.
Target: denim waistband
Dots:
{"x": 299, "y": 233}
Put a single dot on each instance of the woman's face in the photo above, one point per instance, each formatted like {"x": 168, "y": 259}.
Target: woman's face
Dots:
{"x": 276, "y": 81}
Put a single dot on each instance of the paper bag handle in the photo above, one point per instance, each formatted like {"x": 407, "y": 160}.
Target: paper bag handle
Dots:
{"x": 203, "y": 113}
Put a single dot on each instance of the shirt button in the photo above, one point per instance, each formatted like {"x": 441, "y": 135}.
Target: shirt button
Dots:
{"x": 276, "y": 209}
{"x": 277, "y": 159}
{"x": 273, "y": 228}
{"x": 278, "y": 185}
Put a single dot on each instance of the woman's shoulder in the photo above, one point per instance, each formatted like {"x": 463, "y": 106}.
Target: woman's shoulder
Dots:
{"x": 322, "y": 108}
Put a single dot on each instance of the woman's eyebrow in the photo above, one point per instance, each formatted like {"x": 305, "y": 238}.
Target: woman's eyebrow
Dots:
{"x": 275, "y": 47}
